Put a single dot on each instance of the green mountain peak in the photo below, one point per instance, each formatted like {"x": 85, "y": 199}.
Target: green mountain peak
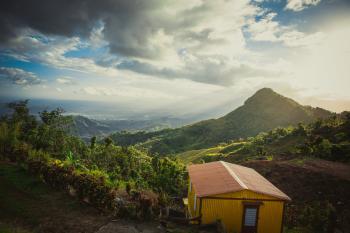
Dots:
{"x": 263, "y": 111}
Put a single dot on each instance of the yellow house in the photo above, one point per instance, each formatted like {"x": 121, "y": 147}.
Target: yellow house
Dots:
{"x": 239, "y": 197}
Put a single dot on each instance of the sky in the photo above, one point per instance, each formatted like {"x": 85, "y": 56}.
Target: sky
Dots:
{"x": 177, "y": 56}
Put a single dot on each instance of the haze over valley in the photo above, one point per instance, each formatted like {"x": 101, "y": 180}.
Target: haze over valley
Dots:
{"x": 175, "y": 116}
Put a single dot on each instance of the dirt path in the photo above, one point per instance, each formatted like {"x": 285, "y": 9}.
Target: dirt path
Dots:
{"x": 29, "y": 205}
{"x": 122, "y": 226}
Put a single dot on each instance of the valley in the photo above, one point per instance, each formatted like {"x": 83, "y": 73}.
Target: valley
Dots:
{"x": 302, "y": 150}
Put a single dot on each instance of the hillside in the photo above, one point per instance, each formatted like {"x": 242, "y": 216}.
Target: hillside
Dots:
{"x": 319, "y": 192}
{"x": 263, "y": 111}
{"x": 325, "y": 139}
{"x": 309, "y": 162}
{"x": 86, "y": 128}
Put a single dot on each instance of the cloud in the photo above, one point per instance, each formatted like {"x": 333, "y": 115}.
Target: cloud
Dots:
{"x": 19, "y": 76}
{"x": 30, "y": 45}
{"x": 298, "y": 39}
{"x": 97, "y": 38}
{"x": 129, "y": 92}
{"x": 325, "y": 68}
{"x": 49, "y": 17}
{"x": 137, "y": 29}
{"x": 201, "y": 41}
{"x": 164, "y": 39}
{"x": 268, "y": 29}
{"x": 299, "y": 5}
{"x": 129, "y": 25}
{"x": 210, "y": 70}
{"x": 65, "y": 80}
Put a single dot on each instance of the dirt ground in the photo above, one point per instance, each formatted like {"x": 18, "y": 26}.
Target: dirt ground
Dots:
{"x": 336, "y": 169}
{"x": 311, "y": 181}
{"x": 27, "y": 206}
{"x": 308, "y": 180}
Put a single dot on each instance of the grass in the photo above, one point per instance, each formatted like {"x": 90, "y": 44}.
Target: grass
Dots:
{"x": 6, "y": 228}
{"x": 193, "y": 155}
{"x": 17, "y": 192}
{"x": 301, "y": 160}
{"x": 233, "y": 152}
{"x": 28, "y": 205}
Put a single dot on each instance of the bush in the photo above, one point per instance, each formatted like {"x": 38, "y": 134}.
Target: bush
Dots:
{"x": 92, "y": 187}
{"x": 317, "y": 217}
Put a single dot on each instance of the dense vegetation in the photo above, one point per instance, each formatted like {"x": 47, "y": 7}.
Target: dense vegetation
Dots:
{"x": 327, "y": 139}
{"x": 95, "y": 171}
{"x": 264, "y": 111}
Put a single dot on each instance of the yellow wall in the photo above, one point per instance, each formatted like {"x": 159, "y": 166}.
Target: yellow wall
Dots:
{"x": 193, "y": 213}
{"x": 230, "y": 212}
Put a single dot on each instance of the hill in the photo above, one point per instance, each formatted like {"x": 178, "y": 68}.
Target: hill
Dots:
{"x": 325, "y": 139}
{"x": 263, "y": 111}
{"x": 319, "y": 193}
{"x": 86, "y": 128}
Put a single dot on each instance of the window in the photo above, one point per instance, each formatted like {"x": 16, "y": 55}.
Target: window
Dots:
{"x": 250, "y": 217}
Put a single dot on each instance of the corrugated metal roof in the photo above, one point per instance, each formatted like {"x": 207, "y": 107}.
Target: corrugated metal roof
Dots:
{"x": 221, "y": 177}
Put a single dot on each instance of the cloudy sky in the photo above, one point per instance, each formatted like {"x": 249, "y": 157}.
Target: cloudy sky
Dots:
{"x": 187, "y": 55}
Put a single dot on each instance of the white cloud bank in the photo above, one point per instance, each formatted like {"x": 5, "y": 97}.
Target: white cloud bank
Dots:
{"x": 65, "y": 80}
{"x": 268, "y": 29}
{"x": 19, "y": 76}
{"x": 299, "y": 5}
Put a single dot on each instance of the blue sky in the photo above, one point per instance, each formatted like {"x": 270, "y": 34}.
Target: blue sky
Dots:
{"x": 190, "y": 55}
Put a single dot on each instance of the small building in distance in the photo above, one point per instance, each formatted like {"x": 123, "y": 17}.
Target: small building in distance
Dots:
{"x": 239, "y": 197}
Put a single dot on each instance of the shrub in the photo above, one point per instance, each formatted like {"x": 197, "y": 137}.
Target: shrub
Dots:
{"x": 315, "y": 217}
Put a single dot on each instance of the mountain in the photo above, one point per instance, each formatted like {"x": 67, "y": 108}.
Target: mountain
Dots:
{"x": 327, "y": 139}
{"x": 263, "y": 111}
{"x": 86, "y": 128}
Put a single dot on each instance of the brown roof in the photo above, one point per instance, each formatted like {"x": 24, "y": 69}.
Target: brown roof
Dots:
{"x": 222, "y": 177}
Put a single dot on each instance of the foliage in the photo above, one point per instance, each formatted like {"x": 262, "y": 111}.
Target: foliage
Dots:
{"x": 312, "y": 217}
{"x": 93, "y": 169}
{"x": 326, "y": 139}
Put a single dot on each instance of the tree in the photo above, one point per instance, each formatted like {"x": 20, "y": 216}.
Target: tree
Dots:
{"x": 323, "y": 149}
{"x": 300, "y": 129}
{"x": 53, "y": 132}
{"x": 93, "y": 142}
{"x": 108, "y": 141}
{"x": 56, "y": 119}
{"x": 22, "y": 117}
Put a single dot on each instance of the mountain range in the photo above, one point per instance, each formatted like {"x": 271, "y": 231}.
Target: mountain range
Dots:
{"x": 263, "y": 111}
{"x": 86, "y": 128}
